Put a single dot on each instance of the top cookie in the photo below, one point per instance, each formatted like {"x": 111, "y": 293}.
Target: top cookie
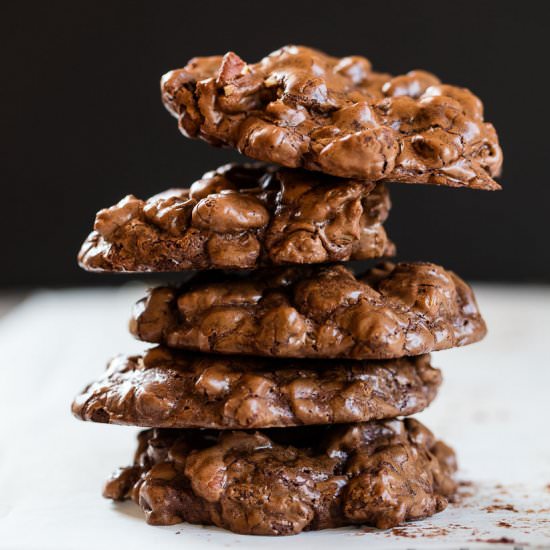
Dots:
{"x": 302, "y": 108}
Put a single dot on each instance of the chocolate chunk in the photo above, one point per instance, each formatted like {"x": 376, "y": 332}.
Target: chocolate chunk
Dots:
{"x": 319, "y": 311}
{"x": 302, "y": 108}
{"x": 242, "y": 217}
{"x": 282, "y": 482}
{"x": 174, "y": 389}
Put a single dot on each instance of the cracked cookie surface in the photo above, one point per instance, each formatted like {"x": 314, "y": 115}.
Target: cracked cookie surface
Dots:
{"x": 391, "y": 311}
{"x": 241, "y": 217}
{"x": 301, "y": 108}
{"x": 282, "y": 482}
{"x": 176, "y": 389}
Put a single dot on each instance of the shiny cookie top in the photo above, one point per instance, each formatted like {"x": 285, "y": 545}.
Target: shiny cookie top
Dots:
{"x": 299, "y": 107}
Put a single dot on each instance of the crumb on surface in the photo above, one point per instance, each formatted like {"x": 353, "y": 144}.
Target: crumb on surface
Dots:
{"x": 494, "y": 507}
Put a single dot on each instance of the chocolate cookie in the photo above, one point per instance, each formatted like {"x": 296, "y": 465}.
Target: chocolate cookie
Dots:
{"x": 302, "y": 108}
{"x": 282, "y": 482}
{"x": 170, "y": 389}
{"x": 242, "y": 217}
{"x": 318, "y": 311}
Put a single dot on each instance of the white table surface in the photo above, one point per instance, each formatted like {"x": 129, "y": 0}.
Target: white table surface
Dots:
{"x": 494, "y": 409}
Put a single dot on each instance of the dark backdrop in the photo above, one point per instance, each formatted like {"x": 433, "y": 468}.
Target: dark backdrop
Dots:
{"x": 82, "y": 122}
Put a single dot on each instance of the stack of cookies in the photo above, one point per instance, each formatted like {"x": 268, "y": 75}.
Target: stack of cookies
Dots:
{"x": 274, "y": 398}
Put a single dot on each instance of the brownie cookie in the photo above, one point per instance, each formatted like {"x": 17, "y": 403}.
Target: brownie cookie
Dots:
{"x": 318, "y": 311}
{"x": 302, "y": 108}
{"x": 174, "y": 389}
{"x": 282, "y": 482}
{"x": 242, "y": 217}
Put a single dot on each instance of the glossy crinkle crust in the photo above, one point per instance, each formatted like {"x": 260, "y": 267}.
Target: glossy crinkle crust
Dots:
{"x": 316, "y": 311}
{"x": 282, "y": 482}
{"x": 241, "y": 217}
{"x": 302, "y": 108}
{"x": 176, "y": 389}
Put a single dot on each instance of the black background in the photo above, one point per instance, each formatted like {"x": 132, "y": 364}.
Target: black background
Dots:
{"x": 82, "y": 122}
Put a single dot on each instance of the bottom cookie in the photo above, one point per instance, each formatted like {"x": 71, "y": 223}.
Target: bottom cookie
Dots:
{"x": 284, "y": 481}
